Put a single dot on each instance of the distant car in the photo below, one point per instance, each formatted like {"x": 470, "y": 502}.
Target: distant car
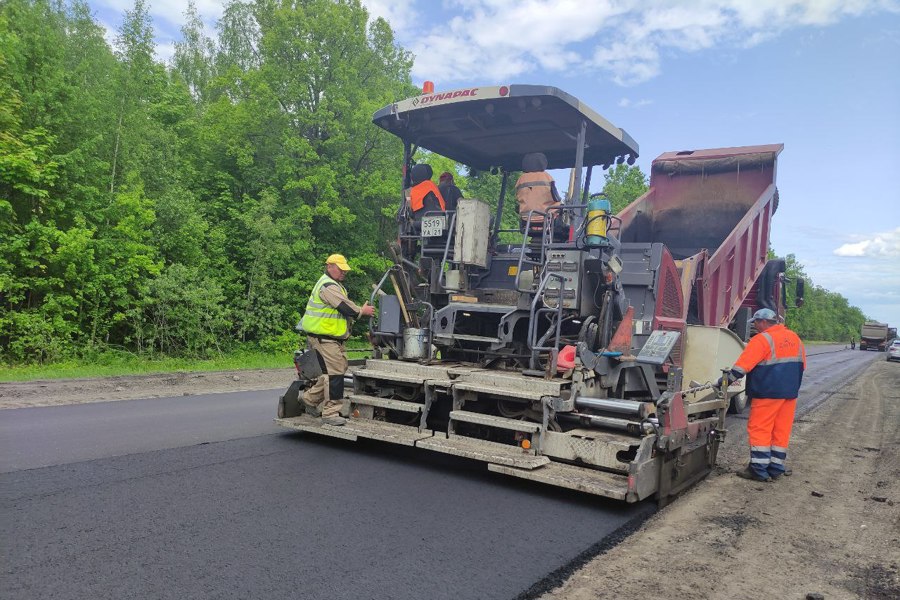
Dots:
{"x": 893, "y": 351}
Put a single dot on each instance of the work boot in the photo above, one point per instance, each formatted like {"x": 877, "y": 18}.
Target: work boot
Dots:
{"x": 749, "y": 473}
{"x": 787, "y": 473}
{"x": 311, "y": 410}
{"x": 335, "y": 421}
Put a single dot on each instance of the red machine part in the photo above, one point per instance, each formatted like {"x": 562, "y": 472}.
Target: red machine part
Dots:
{"x": 670, "y": 310}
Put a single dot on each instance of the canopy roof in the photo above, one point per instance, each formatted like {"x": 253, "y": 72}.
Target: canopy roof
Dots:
{"x": 486, "y": 127}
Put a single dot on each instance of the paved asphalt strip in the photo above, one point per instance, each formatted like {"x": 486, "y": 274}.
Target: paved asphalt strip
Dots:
{"x": 287, "y": 515}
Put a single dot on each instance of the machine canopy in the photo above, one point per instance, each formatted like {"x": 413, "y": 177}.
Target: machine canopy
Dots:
{"x": 485, "y": 127}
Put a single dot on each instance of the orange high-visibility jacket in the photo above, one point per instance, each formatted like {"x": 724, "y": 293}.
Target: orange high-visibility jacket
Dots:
{"x": 533, "y": 192}
{"x": 419, "y": 191}
{"x": 773, "y": 362}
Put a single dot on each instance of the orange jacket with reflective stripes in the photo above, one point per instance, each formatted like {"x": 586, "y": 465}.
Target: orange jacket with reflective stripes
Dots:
{"x": 419, "y": 191}
{"x": 534, "y": 192}
{"x": 773, "y": 362}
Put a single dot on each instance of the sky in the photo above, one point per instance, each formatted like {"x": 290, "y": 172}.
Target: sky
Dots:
{"x": 820, "y": 76}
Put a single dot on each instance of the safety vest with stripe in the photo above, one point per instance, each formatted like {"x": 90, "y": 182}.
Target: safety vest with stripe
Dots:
{"x": 320, "y": 318}
{"x": 419, "y": 191}
{"x": 533, "y": 192}
{"x": 774, "y": 362}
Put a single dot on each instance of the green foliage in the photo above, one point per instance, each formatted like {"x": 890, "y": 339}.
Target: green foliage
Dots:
{"x": 624, "y": 184}
{"x": 185, "y": 313}
{"x": 189, "y": 209}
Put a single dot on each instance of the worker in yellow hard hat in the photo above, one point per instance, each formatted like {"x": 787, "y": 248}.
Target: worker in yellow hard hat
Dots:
{"x": 329, "y": 314}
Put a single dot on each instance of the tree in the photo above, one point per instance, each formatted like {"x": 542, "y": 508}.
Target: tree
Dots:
{"x": 624, "y": 184}
{"x": 194, "y": 56}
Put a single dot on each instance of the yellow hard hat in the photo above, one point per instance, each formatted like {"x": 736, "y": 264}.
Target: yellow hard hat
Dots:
{"x": 339, "y": 260}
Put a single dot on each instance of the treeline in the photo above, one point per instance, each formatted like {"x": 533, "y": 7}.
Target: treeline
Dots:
{"x": 186, "y": 209}
{"x": 825, "y": 316}
{"x": 183, "y": 209}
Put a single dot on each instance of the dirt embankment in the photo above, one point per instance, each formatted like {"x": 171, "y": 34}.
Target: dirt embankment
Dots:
{"x": 833, "y": 528}
{"x": 53, "y": 392}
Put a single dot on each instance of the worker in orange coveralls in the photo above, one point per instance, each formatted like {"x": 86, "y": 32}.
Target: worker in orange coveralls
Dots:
{"x": 773, "y": 362}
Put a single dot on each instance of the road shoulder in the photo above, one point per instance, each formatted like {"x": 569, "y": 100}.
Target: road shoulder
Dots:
{"x": 833, "y": 528}
{"x": 56, "y": 392}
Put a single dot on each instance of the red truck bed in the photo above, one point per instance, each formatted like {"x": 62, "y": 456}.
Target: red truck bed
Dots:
{"x": 712, "y": 209}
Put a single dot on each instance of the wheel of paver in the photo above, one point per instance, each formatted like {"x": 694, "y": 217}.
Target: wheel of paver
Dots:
{"x": 738, "y": 403}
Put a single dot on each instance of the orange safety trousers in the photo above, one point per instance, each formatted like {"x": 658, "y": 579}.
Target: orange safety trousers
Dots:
{"x": 769, "y": 432}
{"x": 770, "y": 422}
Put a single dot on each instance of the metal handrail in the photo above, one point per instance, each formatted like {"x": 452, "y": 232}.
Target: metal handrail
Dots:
{"x": 522, "y": 259}
{"x": 442, "y": 278}
{"x": 533, "y": 314}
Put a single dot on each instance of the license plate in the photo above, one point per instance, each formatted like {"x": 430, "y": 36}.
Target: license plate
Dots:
{"x": 433, "y": 226}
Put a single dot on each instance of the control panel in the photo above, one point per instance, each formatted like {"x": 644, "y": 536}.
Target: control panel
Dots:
{"x": 567, "y": 264}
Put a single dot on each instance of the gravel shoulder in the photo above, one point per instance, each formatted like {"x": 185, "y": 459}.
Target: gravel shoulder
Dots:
{"x": 833, "y": 528}
{"x": 54, "y": 392}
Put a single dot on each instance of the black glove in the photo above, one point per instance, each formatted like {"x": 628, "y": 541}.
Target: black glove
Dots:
{"x": 731, "y": 376}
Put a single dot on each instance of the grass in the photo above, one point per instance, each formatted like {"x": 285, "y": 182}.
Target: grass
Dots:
{"x": 115, "y": 363}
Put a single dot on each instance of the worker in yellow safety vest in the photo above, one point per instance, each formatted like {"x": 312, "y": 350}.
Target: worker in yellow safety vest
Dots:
{"x": 326, "y": 321}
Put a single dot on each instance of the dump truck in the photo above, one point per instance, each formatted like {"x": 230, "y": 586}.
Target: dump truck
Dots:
{"x": 580, "y": 354}
{"x": 873, "y": 336}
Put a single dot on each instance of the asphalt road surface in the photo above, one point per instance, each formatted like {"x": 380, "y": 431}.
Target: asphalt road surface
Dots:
{"x": 203, "y": 497}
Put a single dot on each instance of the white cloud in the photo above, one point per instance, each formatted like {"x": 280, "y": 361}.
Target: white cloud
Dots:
{"x": 502, "y": 39}
{"x": 499, "y": 40}
{"x": 109, "y": 32}
{"x": 171, "y": 11}
{"x": 628, "y": 102}
{"x": 165, "y": 51}
{"x": 881, "y": 245}
{"x": 399, "y": 13}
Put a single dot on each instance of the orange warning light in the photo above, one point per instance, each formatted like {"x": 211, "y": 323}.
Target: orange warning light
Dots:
{"x": 428, "y": 87}
{"x": 526, "y": 444}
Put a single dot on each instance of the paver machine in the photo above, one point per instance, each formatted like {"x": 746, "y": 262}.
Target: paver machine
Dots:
{"x": 551, "y": 353}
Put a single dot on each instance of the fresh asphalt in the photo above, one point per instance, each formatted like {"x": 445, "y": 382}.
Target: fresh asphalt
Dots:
{"x": 203, "y": 497}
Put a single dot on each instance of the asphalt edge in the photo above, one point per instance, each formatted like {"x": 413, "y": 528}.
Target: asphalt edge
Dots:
{"x": 805, "y": 410}
{"x": 559, "y": 576}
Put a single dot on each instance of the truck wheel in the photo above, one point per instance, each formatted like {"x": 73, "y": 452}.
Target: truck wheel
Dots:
{"x": 738, "y": 403}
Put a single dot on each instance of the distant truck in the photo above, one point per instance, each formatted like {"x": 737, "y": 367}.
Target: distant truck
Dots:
{"x": 874, "y": 336}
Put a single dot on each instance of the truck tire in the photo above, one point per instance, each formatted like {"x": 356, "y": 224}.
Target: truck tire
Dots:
{"x": 738, "y": 403}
